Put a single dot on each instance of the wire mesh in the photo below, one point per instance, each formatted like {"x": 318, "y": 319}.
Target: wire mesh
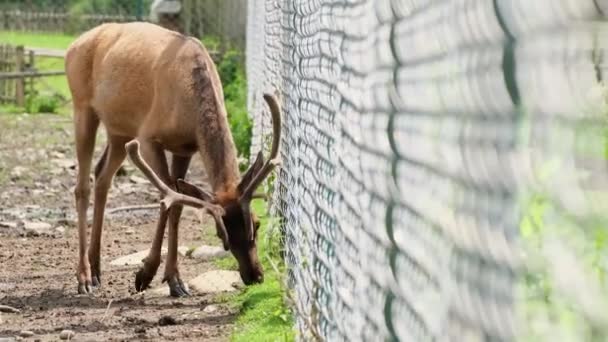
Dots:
{"x": 444, "y": 165}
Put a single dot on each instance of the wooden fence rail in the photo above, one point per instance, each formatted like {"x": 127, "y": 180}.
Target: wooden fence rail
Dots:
{"x": 18, "y": 70}
{"x": 59, "y": 22}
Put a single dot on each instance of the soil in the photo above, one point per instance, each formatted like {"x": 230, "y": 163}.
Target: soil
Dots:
{"x": 38, "y": 269}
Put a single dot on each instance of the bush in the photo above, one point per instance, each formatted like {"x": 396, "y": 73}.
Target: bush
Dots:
{"x": 39, "y": 103}
{"x": 232, "y": 74}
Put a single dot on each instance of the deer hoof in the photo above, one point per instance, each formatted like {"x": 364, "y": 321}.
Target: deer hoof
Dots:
{"x": 96, "y": 281}
{"x": 142, "y": 280}
{"x": 85, "y": 288}
{"x": 177, "y": 288}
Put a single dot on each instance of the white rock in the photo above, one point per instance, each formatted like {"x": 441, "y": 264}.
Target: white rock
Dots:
{"x": 64, "y": 163}
{"x": 26, "y": 333}
{"x": 59, "y": 155}
{"x": 18, "y": 171}
{"x": 67, "y": 335}
{"x": 208, "y": 252}
{"x": 60, "y": 229}
{"x": 37, "y": 228}
{"x": 161, "y": 291}
{"x": 133, "y": 259}
{"x": 215, "y": 281}
{"x": 8, "y": 224}
{"x": 183, "y": 250}
{"x": 210, "y": 308}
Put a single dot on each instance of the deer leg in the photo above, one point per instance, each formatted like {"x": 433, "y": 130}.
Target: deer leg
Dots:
{"x": 154, "y": 155}
{"x": 85, "y": 127}
{"x": 179, "y": 168}
{"x": 111, "y": 160}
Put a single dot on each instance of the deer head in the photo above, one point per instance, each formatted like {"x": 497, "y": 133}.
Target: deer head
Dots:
{"x": 236, "y": 225}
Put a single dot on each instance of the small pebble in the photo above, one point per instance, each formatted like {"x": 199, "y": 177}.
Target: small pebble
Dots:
{"x": 210, "y": 308}
{"x": 66, "y": 334}
{"x": 167, "y": 320}
{"x": 26, "y": 333}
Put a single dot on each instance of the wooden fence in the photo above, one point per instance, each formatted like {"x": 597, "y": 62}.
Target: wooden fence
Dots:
{"x": 18, "y": 71}
{"x": 55, "y": 22}
{"x": 224, "y": 19}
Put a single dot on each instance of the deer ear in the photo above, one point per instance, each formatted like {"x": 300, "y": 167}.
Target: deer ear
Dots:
{"x": 194, "y": 191}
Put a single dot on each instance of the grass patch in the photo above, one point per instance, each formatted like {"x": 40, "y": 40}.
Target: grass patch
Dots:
{"x": 264, "y": 315}
{"x": 41, "y": 40}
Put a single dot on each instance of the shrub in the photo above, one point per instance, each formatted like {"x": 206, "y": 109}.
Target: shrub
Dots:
{"x": 40, "y": 103}
{"x": 232, "y": 74}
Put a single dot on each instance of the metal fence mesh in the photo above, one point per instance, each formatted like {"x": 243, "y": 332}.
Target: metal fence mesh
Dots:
{"x": 444, "y": 165}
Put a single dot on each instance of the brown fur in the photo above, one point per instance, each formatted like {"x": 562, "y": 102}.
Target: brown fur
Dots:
{"x": 132, "y": 77}
{"x": 144, "y": 82}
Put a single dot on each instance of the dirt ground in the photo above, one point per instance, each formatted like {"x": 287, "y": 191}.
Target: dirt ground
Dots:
{"x": 38, "y": 268}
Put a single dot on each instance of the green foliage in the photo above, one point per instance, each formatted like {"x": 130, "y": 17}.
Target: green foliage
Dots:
{"x": 232, "y": 75}
{"x": 41, "y": 103}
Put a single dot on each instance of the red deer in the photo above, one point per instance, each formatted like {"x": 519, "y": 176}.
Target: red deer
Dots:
{"x": 156, "y": 90}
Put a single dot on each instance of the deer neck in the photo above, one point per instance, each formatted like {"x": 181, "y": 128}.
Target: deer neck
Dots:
{"x": 215, "y": 142}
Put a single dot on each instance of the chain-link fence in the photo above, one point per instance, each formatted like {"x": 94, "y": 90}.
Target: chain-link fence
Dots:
{"x": 444, "y": 165}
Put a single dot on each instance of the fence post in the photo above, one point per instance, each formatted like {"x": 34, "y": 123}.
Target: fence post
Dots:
{"x": 32, "y": 67}
{"x": 20, "y": 84}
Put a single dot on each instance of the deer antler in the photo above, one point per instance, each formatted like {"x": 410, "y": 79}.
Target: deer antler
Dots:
{"x": 274, "y": 158}
{"x": 171, "y": 197}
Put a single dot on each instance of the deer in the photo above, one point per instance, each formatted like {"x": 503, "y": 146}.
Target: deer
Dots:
{"x": 157, "y": 91}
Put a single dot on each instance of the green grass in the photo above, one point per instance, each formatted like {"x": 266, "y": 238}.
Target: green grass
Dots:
{"x": 264, "y": 315}
{"x": 41, "y": 40}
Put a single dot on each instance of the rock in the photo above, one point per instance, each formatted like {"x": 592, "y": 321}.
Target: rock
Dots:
{"x": 7, "y": 339}
{"x": 58, "y": 155}
{"x": 215, "y": 281}
{"x": 66, "y": 334}
{"x": 161, "y": 291}
{"x": 208, "y": 252}
{"x": 60, "y": 229}
{"x": 134, "y": 259}
{"x": 8, "y": 224}
{"x": 167, "y": 320}
{"x": 183, "y": 250}
{"x": 36, "y": 228}
{"x": 26, "y": 333}
{"x": 138, "y": 180}
{"x": 18, "y": 172}
{"x": 64, "y": 163}
{"x": 210, "y": 308}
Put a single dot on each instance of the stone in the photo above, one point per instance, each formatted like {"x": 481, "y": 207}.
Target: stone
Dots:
{"x": 215, "y": 281}
{"x": 66, "y": 334}
{"x": 60, "y": 229}
{"x": 26, "y": 333}
{"x": 167, "y": 320}
{"x": 8, "y": 224}
{"x": 210, "y": 308}
{"x": 161, "y": 291}
{"x": 18, "y": 172}
{"x": 36, "y": 228}
{"x": 183, "y": 250}
{"x": 134, "y": 259}
{"x": 64, "y": 163}
{"x": 208, "y": 253}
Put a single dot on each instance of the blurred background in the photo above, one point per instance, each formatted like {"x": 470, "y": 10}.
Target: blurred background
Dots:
{"x": 445, "y": 163}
